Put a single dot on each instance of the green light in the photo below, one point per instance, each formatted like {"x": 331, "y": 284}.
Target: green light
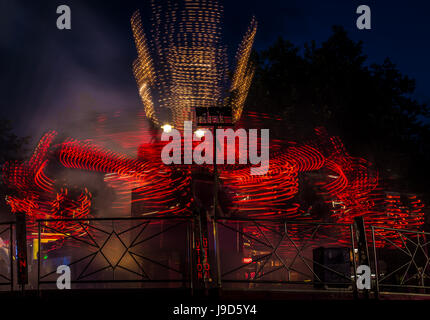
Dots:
{"x": 45, "y": 257}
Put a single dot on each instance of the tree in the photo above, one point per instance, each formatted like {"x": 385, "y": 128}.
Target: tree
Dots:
{"x": 371, "y": 107}
{"x": 12, "y": 147}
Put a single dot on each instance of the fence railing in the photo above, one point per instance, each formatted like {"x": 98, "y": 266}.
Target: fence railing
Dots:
{"x": 401, "y": 260}
{"x": 6, "y": 255}
{"x": 103, "y": 253}
{"x": 281, "y": 254}
{"x": 264, "y": 254}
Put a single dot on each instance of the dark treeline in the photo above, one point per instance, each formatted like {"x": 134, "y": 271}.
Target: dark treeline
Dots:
{"x": 12, "y": 147}
{"x": 371, "y": 107}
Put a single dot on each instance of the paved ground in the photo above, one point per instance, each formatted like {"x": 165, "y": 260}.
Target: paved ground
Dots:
{"x": 162, "y": 303}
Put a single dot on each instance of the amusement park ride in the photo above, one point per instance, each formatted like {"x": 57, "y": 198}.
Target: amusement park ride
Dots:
{"x": 181, "y": 67}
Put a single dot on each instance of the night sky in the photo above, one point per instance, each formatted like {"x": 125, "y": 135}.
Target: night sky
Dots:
{"x": 49, "y": 74}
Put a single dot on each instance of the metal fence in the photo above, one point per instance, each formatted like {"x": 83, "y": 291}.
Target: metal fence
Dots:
{"x": 400, "y": 260}
{"x": 262, "y": 254}
{"x": 286, "y": 255}
{"x": 110, "y": 253}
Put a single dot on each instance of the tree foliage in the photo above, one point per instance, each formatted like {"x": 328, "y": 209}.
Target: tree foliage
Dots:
{"x": 12, "y": 147}
{"x": 371, "y": 107}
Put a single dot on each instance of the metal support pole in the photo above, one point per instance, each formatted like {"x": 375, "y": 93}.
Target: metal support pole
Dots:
{"x": 376, "y": 264}
{"x": 11, "y": 255}
{"x": 354, "y": 263}
{"x": 286, "y": 234}
{"x": 190, "y": 242}
{"x": 38, "y": 257}
{"x": 203, "y": 232}
{"x": 215, "y": 205}
{"x": 362, "y": 246}
{"x": 21, "y": 241}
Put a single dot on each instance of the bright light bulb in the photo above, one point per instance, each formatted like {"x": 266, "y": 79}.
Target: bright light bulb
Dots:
{"x": 167, "y": 128}
{"x": 199, "y": 133}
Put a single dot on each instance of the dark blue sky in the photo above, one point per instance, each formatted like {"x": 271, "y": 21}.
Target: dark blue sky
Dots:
{"x": 48, "y": 74}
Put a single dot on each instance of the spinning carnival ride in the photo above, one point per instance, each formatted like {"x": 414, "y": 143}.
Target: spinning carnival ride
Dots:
{"x": 181, "y": 67}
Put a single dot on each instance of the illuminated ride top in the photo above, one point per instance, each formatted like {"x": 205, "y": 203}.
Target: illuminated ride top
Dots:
{"x": 184, "y": 66}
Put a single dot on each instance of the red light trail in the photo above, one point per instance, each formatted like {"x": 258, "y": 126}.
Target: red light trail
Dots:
{"x": 349, "y": 186}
